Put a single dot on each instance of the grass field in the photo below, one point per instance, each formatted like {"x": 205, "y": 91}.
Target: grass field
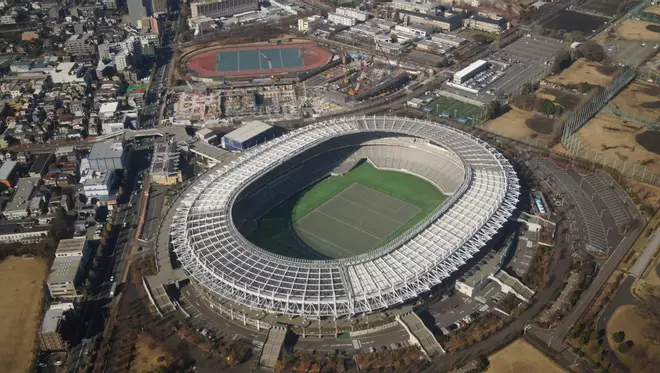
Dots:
{"x": 21, "y": 281}
{"x": 521, "y": 357}
{"x": 448, "y": 107}
{"x": 582, "y": 71}
{"x": 347, "y": 215}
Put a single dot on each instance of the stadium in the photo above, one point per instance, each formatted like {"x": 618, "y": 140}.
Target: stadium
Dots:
{"x": 343, "y": 217}
{"x": 263, "y": 60}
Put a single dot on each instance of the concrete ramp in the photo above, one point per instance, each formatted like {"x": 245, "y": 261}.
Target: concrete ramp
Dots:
{"x": 512, "y": 285}
{"x": 420, "y": 334}
{"x": 273, "y": 347}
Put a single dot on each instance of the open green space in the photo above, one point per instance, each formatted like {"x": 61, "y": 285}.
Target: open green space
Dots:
{"x": 347, "y": 215}
{"x": 448, "y": 107}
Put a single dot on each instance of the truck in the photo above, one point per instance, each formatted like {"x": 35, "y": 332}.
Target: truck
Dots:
{"x": 113, "y": 289}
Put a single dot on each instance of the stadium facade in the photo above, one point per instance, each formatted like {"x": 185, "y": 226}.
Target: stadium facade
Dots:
{"x": 217, "y": 257}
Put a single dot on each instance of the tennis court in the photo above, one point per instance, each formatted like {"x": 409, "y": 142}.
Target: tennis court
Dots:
{"x": 353, "y": 222}
{"x": 448, "y": 107}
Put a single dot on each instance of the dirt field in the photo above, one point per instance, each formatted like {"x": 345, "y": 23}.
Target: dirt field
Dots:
{"x": 146, "y": 358}
{"x": 655, "y": 9}
{"x": 521, "y": 357}
{"x": 583, "y": 71}
{"x": 19, "y": 312}
{"x": 626, "y": 319}
{"x": 513, "y": 125}
{"x": 653, "y": 63}
{"x": 615, "y": 139}
{"x": 567, "y": 100}
{"x": 636, "y": 30}
{"x": 640, "y": 98}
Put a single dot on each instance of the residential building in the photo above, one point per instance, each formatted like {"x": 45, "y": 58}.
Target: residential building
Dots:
{"x": 416, "y": 6}
{"x": 98, "y": 184}
{"x": 7, "y": 19}
{"x": 304, "y": 23}
{"x": 222, "y": 8}
{"x": 18, "y": 206}
{"x": 341, "y": 20}
{"x": 486, "y": 22}
{"x": 446, "y": 21}
{"x": 106, "y": 156}
{"x": 353, "y": 13}
{"x": 448, "y": 39}
{"x": 68, "y": 269}
{"x": 80, "y": 45}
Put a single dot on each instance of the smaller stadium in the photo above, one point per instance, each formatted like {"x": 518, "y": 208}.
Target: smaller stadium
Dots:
{"x": 256, "y": 60}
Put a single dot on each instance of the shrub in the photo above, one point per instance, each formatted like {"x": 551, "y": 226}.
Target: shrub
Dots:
{"x": 618, "y": 337}
{"x": 625, "y": 347}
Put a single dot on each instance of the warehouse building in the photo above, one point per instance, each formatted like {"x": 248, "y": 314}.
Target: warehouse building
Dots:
{"x": 446, "y": 21}
{"x": 471, "y": 70}
{"x": 250, "y": 134}
{"x": 106, "y": 156}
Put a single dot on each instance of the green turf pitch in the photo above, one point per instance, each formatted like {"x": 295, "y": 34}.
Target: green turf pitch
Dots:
{"x": 347, "y": 215}
{"x": 454, "y": 108}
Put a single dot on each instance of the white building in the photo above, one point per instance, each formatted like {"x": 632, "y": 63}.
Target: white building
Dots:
{"x": 419, "y": 30}
{"x": 342, "y": 20}
{"x": 471, "y": 70}
{"x": 353, "y": 13}
{"x": 303, "y": 23}
{"x": 416, "y": 6}
{"x": 68, "y": 268}
{"x": 97, "y": 184}
{"x": 449, "y": 39}
{"x": 122, "y": 60}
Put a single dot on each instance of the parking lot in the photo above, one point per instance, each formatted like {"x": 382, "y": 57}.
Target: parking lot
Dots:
{"x": 629, "y": 52}
{"x": 528, "y": 59}
{"x": 594, "y": 213}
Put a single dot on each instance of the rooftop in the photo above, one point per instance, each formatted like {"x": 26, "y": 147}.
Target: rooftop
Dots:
{"x": 21, "y": 198}
{"x": 51, "y": 320}
{"x": 248, "y": 131}
{"x": 6, "y": 169}
{"x": 103, "y": 150}
{"x": 71, "y": 246}
{"x": 108, "y": 107}
{"x": 64, "y": 269}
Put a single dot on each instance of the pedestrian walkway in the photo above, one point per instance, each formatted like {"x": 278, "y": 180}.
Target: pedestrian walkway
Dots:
{"x": 273, "y": 347}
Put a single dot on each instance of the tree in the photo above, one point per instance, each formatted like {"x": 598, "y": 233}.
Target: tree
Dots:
{"x": 482, "y": 362}
{"x": 624, "y": 347}
{"x": 82, "y": 198}
{"x": 592, "y": 51}
{"x": 618, "y": 337}
{"x": 562, "y": 61}
{"x": 493, "y": 109}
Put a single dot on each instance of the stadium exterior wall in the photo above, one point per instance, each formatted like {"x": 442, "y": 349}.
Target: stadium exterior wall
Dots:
{"x": 218, "y": 258}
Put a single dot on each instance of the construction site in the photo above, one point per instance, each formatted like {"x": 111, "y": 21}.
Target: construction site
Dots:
{"x": 359, "y": 77}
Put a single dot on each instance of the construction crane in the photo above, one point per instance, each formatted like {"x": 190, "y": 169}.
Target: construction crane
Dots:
{"x": 270, "y": 67}
{"x": 363, "y": 74}
{"x": 389, "y": 63}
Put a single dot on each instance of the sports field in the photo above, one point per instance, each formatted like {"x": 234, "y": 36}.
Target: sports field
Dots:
{"x": 447, "y": 107}
{"x": 253, "y": 60}
{"x": 347, "y": 215}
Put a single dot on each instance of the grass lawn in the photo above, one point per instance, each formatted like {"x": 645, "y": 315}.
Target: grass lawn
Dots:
{"x": 403, "y": 186}
{"x": 521, "y": 357}
{"x": 454, "y": 108}
{"x": 626, "y": 319}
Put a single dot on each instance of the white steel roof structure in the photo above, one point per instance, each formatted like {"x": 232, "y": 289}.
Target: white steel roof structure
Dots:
{"x": 218, "y": 257}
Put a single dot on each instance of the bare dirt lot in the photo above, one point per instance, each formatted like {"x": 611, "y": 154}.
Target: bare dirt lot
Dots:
{"x": 655, "y": 9}
{"x": 615, "y": 139}
{"x": 637, "y": 30}
{"x": 521, "y": 357}
{"x": 149, "y": 356}
{"x": 566, "y": 99}
{"x": 514, "y": 125}
{"x": 583, "y": 71}
{"x": 640, "y": 98}
{"x": 21, "y": 293}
